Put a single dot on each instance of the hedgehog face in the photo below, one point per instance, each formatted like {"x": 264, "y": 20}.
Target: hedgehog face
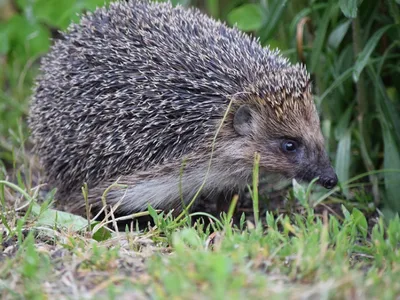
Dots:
{"x": 292, "y": 146}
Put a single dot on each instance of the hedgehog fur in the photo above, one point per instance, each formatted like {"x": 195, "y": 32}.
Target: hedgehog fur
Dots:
{"x": 136, "y": 89}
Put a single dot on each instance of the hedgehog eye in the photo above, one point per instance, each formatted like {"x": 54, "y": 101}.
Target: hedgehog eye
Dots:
{"x": 290, "y": 146}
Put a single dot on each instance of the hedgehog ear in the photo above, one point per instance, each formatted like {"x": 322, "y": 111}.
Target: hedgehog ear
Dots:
{"x": 242, "y": 120}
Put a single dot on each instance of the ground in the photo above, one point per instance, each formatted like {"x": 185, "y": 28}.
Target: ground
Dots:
{"x": 297, "y": 248}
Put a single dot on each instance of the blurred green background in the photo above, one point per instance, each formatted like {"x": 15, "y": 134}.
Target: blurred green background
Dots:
{"x": 351, "y": 48}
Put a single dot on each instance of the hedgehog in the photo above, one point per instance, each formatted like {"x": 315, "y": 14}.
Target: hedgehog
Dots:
{"x": 169, "y": 104}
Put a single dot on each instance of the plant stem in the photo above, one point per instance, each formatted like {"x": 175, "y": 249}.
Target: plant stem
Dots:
{"x": 256, "y": 179}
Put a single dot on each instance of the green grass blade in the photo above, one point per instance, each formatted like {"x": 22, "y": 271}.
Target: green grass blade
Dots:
{"x": 389, "y": 115}
{"x": 274, "y": 16}
{"x": 321, "y": 35}
{"x": 366, "y": 53}
{"x": 392, "y": 179}
{"x": 343, "y": 158}
{"x": 337, "y": 35}
{"x": 349, "y": 8}
{"x": 247, "y": 17}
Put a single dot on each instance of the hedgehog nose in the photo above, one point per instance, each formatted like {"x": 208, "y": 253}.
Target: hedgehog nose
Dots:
{"x": 330, "y": 182}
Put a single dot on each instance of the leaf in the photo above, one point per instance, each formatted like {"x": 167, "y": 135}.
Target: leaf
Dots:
{"x": 4, "y": 38}
{"x": 184, "y": 3}
{"x": 93, "y": 4}
{"x": 184, "y": 238}
{"x": 304, "y": 13}
{"x": 343, "y": 125}
{"x": 360, "y": 221}
{"x": 393, "y": 232}
{"x": 365, "y": 55}
{"x": 153, "y": 213}
{"x": 321, "y": 35}
{"x": 300, "y": 193}
{"x": 101, "y": 234}
{"x": 390, "y": 124}
{"x": 28, "y": 39}
{"x": 52, "y": 217}
{"x": 338, "y": 81}
{"x": 57, "y": 13}
{"x": 392, "y": 178}
{"x": 349, "y": 8}
{"x": 343, "y": 157}
{"x": 274, "y": 16}
{"x": 247, "y": 17}
{"x": 346, "y": 213}
{"x": 212, "y": 7}
{"x": 337, "y": 35}
{"x": 389, "y": 116}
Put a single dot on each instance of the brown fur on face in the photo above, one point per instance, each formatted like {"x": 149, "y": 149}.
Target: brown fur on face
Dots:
{"x": 294, "y": 120}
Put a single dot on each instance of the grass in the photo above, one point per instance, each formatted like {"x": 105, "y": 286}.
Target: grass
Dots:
{"x": 293, "y": 256}
{"x": 303, "y": 243}
{"x": 302, "y": 253}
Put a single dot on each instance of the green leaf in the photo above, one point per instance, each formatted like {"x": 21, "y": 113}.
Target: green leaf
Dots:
{"x": 349, "y": 8}
{"x": 300, "y": 193}
{"x": 274, "y": 17}
{"x": 153, "y": 213}
{"x": 343, "y": 157}
{"x": 391, "y": 161}
{"x": 343, "y": 125}
{"x": 57, "y": 13}
{"x": 212, "y": 7}
{"x": 364, "y": 56}
{"x": 52, "y": 217}
{"x": 315, "y": 7}
{"x": 360, "y": 221}
{"x": 346, "y": 213}
{"x": 186, "y": 237}
{"x": 389, "y": 116}
{"x": 247, "y": 17}
{"x": 393, "y": 232}
{"x": 28, "y": 39}
{"x": 101, "y": 234}
{"x": 338, "y": 81}
{"x": 321, "y": 35}
{"x": 184, "y": 3}
{"x": 4, "y": 44}
{"x": 337, "y": 35}
{"x": 93, "y": 4}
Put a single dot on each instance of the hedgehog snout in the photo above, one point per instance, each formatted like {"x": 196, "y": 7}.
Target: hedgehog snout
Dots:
{"x": 329, "y": 180}
{"x": 324, "y": 171}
